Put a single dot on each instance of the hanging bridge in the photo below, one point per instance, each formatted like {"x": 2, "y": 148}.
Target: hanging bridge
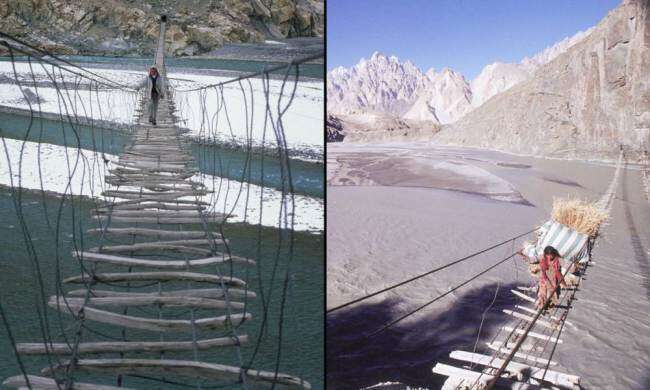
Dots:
{"x": 161, "y": 289}
{"x": 520, "y": 354}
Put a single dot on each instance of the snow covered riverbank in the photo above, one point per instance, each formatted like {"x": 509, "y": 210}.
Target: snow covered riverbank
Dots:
{"x": 19, "y": 167}
{"x": 302, "y": 122}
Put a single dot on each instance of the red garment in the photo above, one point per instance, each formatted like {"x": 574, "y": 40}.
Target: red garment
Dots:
{"x": 545, "y": 265}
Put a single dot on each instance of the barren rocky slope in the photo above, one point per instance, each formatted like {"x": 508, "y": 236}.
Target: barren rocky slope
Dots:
{"x": 119, "y": 27}
{"x": 370, "y": 128}
{"x": 585, "y": 102}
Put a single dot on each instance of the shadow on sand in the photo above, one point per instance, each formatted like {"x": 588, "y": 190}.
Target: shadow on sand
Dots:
{"x": 640, "y": 252}
{"x": 407, "y": 352}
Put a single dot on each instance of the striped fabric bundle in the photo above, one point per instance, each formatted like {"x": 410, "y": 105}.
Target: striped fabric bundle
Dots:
{"x": 568, "y": 242}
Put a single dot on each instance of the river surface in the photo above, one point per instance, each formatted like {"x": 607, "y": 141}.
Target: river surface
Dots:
{"x": 301, "y": 341}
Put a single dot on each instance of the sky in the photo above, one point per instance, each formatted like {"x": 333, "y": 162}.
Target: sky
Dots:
{"x": 464, "y": 35}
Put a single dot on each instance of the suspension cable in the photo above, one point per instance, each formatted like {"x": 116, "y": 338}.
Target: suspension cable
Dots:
{"x": 427, "y": 273}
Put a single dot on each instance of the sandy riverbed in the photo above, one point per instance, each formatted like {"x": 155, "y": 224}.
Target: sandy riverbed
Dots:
{"x": 397, "y": 210}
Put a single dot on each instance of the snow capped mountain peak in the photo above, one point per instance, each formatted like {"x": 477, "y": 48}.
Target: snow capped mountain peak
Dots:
{"x": 379, "y": 84}
{"x": 384, "y": 85}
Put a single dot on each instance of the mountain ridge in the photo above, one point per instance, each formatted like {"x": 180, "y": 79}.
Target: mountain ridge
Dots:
{"x": 439, "y": 97}
{"x": 585, "y": 103}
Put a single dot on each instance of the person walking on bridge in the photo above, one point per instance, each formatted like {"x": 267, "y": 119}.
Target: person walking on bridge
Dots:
{"x": 550, "y": 278}
{"x": 155, "y": 90}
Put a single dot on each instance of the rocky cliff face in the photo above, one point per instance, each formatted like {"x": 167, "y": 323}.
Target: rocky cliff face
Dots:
{"x": 334, "y": 129}
{"x": 583, "y": 103}
{"x": 119, "y": 27}
{"x": 368, "y": 128}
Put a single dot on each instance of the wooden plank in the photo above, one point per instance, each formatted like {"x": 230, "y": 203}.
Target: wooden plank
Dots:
{"x": 153, "y": 166}
{"x": 152, "y": 300}
{"x": 42, "y": 383}
{"x": 521, "y": 316}
{"x": 167, "y": 184}
{"x": 153, "y": 205}
{"x": 157, "y": 248}
{"x": 151, "y": 324}
{"x": 524, "y": 288}
{"x": 233, "y": 293}
{"x": 139, "y": 154}
{"x": 533, "y": 334}
{"x": 190, "y": 369}
{"x": 159, "y": 148}
{"x": 160, "y": 263}
{"x": 164, "y": 157}
{"x": 526, "y": 309}
{"x": 164, "y": 221}
{"x": 127, "y": 231}
{"x": 477, "y": 377}
{"x": 161, "y": 213}
{"x": 497, "y": 347}
{"x": 146, "y": 199}
{"x": 138, "y": 173}
{"x": 554, "y": 377}
{"x": 156, "y": 168}
{"x": 144, "y": 194}
{"x": 523, "y": 296}
{"x": 121, "y": 169}
{"x": 165, "y": 276}
{"x": 130, "y": 346}
{"x": 156, "y": 244}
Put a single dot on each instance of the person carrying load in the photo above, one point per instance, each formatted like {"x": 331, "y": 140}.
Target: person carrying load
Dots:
{"x": 550, "y": 277}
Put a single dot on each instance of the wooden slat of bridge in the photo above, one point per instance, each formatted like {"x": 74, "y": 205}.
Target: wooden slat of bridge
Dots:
{"x": 529, "y": 368}
{"x": 153, "y": 186}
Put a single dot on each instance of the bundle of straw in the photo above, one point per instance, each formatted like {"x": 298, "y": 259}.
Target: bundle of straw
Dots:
{"x": 579, "y": 215}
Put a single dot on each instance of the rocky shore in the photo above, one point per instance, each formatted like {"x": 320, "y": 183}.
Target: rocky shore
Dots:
{"x": 121, "y": 27}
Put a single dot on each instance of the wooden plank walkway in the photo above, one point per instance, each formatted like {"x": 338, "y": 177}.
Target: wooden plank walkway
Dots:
{"x": 531, "y": 366}
{"x": 152, "y": 186}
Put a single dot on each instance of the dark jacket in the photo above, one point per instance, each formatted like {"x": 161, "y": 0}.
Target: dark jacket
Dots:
{"x": 160, "y": 86}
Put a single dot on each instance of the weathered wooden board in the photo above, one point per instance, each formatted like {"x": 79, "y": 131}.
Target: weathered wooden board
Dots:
{"x": 534, "y": 335}
{"x": 520, "y": 355}
{"x": 151, "y": 324}
{"x": 42, "y": 383}
{"x": 523, "y": 296}
{"x": 145, "y": 199}
{"x": 127, "y": 231}
{"x": 152, "y": 300}
{"x": 130, "y": 346}
{"x": 157, "y": 248}
{"x": 482, "y": 379}
{"x": 218, "y": 293}
{"x": 162, "y": 220}
{"x": 539, "y": 322}
{"x": 156, "y": 276}
{"x": 161, "y": 264}
{"x": 152, "y": 205}
{"x": 161, "y": 213}
{"x": 190, "y": 369}
{"x": 523, "y": 370}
